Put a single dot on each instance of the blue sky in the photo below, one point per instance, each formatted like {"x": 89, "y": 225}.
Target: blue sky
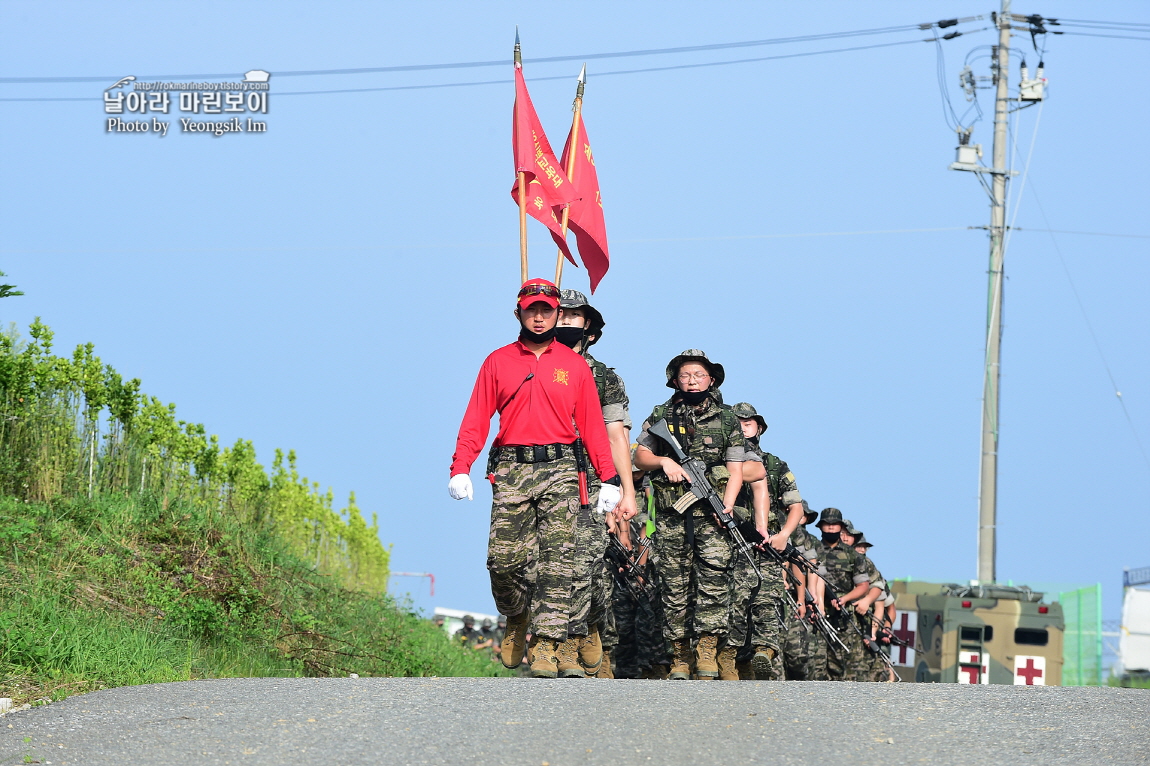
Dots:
{"x": 332, "y": 286}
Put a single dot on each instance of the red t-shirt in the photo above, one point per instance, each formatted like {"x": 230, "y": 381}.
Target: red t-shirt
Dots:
{"x": 560, "y": 397}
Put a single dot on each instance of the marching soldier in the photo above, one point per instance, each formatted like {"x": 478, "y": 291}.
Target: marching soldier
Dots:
{"x": 805, "y": 648}
{"x": 591, "y": 631}
{"x": 759, "y": 605}
{"x": 846, "y": 574}
{"x": 693, "y": 553}
{"x": 876, "y": 601}
{"x": 543, "y": 391}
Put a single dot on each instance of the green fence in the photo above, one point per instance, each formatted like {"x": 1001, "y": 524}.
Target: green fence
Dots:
{"x": 1082, "y": 643}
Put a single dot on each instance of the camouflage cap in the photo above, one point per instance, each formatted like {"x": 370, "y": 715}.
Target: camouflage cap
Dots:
{"x": 830, "y": 516}
{"x": 714, "y": 369}
{"x": 808, "y": 514}
{"x": 573, "y": 299}
{"x": 860, "y": 539}
{"x": 747, "y": 411}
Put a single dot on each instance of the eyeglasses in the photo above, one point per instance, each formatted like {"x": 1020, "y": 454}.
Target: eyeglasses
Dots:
{"x": 551, "y": 291}
{"x": 687, "y": 377}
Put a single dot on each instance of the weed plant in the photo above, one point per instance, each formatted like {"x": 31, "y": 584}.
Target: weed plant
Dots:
{"x": 134, "y": 550}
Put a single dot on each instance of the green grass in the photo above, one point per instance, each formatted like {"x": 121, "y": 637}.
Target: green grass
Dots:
{"x": 1130, "y": 683}
{"x": 117, "y": 591}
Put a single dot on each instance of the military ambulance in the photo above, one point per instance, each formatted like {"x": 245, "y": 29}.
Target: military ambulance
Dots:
{"x": 976, "y": 634}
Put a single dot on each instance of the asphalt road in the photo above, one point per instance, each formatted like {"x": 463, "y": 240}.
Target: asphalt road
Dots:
{"x": 563, "y": 722}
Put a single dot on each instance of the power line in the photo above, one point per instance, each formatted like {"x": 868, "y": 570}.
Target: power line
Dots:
{"x": 505, "y": 62}
{"x": 1118, "y": 37}
{"x": 534, "y": 79}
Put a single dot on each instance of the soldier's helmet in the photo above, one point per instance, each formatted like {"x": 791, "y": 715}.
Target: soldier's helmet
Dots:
{"x": 714, "y": 369}
{"x": 468, "y": 619}
{"x": 438, "y": 619}
{"x": 747, "y": 411}
{"x": 860, "y": 539}
{"x": 487, "y": 622}
{"x": 830, "y": 516}
{"x": 808, "y": 514}
{"x": 502, "y": 620}
{"x": 573, "y": 299}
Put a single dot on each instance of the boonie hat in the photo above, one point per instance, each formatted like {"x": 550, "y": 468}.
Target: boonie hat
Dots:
{"x": 538, "y": 290}
{"x": 830, "y": 516}
{"x": 808, "y": 514}
{"x": 850, "y": 528}
{"x": 746, "y": 411}
{"x": 860, "y": 539}
{"x": 573, "y": 299}
{"x": 714, "y": 369}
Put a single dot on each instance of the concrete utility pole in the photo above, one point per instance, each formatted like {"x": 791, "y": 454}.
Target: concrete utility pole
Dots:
{"x": 988, "y": 472}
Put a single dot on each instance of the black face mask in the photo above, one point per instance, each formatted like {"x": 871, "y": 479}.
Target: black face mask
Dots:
{"x": 693, "y": 398}
{"x": 569, "y": 336}
{"x": 830, "y": 538}
{"x": 527, "y": 336}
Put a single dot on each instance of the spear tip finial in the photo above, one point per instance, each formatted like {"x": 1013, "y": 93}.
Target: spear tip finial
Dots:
{"x": 518, "y": 53}
{"x": 583, "y": 74}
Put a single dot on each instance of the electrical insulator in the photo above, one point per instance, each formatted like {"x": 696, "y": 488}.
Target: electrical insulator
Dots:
{"x": 1032, "y": 90}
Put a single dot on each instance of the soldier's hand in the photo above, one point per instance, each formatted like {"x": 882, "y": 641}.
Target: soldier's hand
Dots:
{"x": 861, "y": 608}
{"x": 674, "y": 471}
{"x": 627, "y": 508}
{"x": 778, "y": 542}
{"x": 460, "y": 487}
{"x": 802, "y": 613}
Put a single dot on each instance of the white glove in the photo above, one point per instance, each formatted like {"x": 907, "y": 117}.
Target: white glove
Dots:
{"x": 460, "y": 487}
{"x": 609, "y": 497}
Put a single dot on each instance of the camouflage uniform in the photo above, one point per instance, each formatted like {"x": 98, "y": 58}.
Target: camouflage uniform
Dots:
{"x": 468, "y": 636}
{"x": 760, "y": 606}
{"x": 873, "y": 669}
{"x": 531, "y": 547}
{"x": 592, "y": 586}
{"x": 694, "y": 555}
{"x": 804, "y": 647}
{"x": 845, "y": 570}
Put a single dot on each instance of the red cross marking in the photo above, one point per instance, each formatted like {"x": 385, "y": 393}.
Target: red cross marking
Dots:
{"x": 1030, "y": 672}
{"x": 970, "y": 670}
{"x": 904, "y": 633}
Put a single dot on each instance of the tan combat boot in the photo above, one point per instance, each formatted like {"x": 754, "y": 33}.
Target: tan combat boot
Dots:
{"x": 514, "y": 641}
{"x": 728, "y": 671}
{"x": 591, "y": 651}
{"x": 763, "y": 664}
{"x": 706, "y": 658}
{"x": 604, "y": 670}
{"x": 568, "y": 656}
{"x": 680, "y": 667}
{"x": 546, "y": 664}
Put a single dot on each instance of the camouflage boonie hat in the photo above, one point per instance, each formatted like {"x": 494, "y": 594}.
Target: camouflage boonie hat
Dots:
{"x": 714, "y": 369}
{"x": 850, "y": 528}
{"x": 808, "y": 514}
{"x": 573, "y": 299}
{"x": 830, "y": 516}
{"x": 747, "y": 411}
{"x": 860, "y": 539}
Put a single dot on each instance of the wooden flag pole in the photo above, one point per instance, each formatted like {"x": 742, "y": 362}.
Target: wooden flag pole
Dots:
{"x": 578, "y": 108}
{"x": 522, "y": 189}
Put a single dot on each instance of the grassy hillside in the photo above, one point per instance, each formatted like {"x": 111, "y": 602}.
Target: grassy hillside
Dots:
{"x": 134, "y": 550}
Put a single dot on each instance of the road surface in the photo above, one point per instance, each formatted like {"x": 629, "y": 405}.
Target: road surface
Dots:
{"x": 515, "y": 722}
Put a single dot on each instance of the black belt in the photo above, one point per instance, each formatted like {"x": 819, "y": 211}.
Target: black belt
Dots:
{"x": 538, "y": 453}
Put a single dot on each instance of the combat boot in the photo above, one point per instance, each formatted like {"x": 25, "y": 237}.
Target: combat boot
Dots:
{"x": 604, "y": 670}
{"x": 680, "y": 653}
{"x": 546, "y": 664}
{"x": 656, "y": 673}
{"x": 728, "y": 671}
{"x": 746, "y": 671}
{"x": 763, "y": 664}
{"x": 591, "y": 651}
{"x": 706, "y": 658}
{"x": 514, "y": 641}
{"x": 568, "y": 656}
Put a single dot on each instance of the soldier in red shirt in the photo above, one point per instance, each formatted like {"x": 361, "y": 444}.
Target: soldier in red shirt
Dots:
{"x": 543, "y": 392}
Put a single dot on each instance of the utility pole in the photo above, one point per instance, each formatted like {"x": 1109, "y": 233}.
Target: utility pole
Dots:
{"x": 988, "y": 471}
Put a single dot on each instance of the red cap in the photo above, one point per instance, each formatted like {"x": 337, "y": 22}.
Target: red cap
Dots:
{"x": 538, "y": 290}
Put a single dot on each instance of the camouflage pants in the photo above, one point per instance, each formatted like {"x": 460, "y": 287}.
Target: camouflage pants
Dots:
{"x": 755, "y": 606}
{"x": 796, "y": 646}
{"x": 845, "y": 665}
{"x": 531, "y": 548}
{"x": 693, "y": 560}
{"x": 817, "y": 656}
{"x": 592, "y": 585}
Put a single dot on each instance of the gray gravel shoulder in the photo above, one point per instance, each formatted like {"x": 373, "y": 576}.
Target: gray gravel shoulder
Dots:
{"x": 557, "y": 723}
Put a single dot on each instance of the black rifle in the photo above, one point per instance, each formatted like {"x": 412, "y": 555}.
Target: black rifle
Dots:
{"x": 627, "y": 570}
{"x": 701, "y": 488}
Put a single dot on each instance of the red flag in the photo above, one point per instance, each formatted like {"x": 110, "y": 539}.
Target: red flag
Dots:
{"x": 585, "y": 215}
{"x": 548, "y": 189}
